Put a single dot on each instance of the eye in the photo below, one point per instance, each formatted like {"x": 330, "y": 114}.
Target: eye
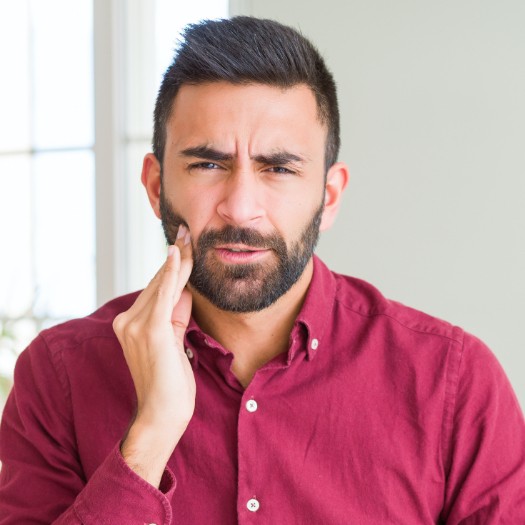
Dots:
{"x": 204, "y": 166}
{"x": 281, "y": 170}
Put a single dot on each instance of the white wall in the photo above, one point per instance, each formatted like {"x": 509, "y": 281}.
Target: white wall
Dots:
{"x": 432, "y": 96}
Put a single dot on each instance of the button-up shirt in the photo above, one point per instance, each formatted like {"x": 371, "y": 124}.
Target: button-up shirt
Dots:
{"x": 375, "y": 414}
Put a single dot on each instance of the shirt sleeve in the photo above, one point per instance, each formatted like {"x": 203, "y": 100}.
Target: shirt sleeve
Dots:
{"x": 486, "y": 460}
{"x": 41, "y": 478}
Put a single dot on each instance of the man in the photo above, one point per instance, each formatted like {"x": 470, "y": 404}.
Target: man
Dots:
{"x": 260, "y": 386}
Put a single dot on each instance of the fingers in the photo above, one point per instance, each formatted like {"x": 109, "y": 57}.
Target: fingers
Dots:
{"x": 175, "y": 272}
{"x": 175, "y": 275}
{"x": 186, "y": 261}
{"x": 145, "y": 296}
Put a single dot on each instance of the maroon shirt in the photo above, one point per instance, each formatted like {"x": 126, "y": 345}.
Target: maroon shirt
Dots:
{"x": 377, "y": 414}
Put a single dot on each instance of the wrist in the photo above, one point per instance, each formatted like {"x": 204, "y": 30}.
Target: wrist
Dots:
{"x": 147, "y": 449}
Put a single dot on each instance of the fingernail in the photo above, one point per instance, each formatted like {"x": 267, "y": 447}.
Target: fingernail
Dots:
{"x": 171, "y": 249}
{"x": 187, "y": 239}
{"x": 182, "y": 232}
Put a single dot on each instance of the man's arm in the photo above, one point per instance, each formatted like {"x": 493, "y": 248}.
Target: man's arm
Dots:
{"x": 42, "y": 479}
{"x": 486, "y": 444}
{"x": 151, "y": 333}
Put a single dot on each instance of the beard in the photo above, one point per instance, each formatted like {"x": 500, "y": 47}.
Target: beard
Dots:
{"x": 248, "y": 287}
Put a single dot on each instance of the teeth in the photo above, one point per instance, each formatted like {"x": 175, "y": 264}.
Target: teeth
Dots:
{"x": 236, "y": 250}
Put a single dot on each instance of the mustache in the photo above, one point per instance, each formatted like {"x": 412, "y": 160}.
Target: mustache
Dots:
{"x": 238, "y": 235}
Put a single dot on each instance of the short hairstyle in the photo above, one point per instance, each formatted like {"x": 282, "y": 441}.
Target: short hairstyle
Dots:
{"x": 248, "y": 50}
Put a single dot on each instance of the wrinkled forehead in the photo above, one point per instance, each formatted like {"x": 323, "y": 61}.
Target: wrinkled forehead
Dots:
{"x": 252, "y": 113}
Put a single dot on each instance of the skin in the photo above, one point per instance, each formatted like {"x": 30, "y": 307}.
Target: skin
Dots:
{"x": 248, "y": 156}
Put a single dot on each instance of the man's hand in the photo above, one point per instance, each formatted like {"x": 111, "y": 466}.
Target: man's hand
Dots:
{"x": 151, "y": 333}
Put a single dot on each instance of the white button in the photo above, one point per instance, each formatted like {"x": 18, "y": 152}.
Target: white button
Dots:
{"x": 189, "y": 353}
{"x": 251, "y": 406}
{"x": 253, "y": 505}
{"x": 314, "y": 344}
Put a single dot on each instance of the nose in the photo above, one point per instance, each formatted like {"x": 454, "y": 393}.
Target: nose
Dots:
{"x": 241, "y": 202}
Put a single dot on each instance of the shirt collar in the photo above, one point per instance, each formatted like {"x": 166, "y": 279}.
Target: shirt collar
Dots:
{"x": 315, "y": 315}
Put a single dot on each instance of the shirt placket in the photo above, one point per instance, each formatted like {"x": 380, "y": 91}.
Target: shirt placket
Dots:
{"x": 250, "y": 500}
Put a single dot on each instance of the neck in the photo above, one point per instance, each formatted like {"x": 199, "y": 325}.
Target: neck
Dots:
{"x": 267, "y": 331}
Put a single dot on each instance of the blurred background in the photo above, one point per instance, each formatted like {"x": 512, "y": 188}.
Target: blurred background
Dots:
{"x": 433, "y": 129}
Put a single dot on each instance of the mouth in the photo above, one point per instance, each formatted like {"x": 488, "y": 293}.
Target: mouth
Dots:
{"x": 235, "y": 253}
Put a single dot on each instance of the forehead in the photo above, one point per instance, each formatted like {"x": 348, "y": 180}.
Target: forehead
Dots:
{"x": 256, "y": 115}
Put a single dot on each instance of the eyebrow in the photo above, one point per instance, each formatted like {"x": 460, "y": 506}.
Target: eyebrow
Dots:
{"x": 209, "y": 153}
{"x": 206, "y": 152}
{"x": 278, "y": 157}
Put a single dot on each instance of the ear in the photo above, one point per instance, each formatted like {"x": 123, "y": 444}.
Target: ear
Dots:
{"x": 151, "y": 180}
{"x": 336, "y": 181}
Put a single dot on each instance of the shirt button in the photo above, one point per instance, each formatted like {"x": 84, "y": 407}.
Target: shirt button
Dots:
{"x": 314, "y": 344}
{"x": 253, "y": 505}
{"x": 251, "y": 406}
{"x": 189, "y": 353}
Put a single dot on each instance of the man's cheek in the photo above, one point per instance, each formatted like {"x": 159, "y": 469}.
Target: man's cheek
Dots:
{"x": 170, "y": 220}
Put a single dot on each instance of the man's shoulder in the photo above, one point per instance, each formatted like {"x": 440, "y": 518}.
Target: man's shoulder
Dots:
{"x": 98, "y": 324}
{"x": 361, "y": 309}
{"x": 356, "y": 296}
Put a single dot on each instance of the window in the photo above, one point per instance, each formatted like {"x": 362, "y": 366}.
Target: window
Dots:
{"x": 79, "y": 81}
{"x": 47, "y": 266}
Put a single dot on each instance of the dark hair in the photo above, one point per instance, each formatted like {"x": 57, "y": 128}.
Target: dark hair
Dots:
{"x": 247, "y": 50}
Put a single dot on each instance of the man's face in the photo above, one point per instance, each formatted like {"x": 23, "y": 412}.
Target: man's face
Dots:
{"x": 243, "y": 169}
